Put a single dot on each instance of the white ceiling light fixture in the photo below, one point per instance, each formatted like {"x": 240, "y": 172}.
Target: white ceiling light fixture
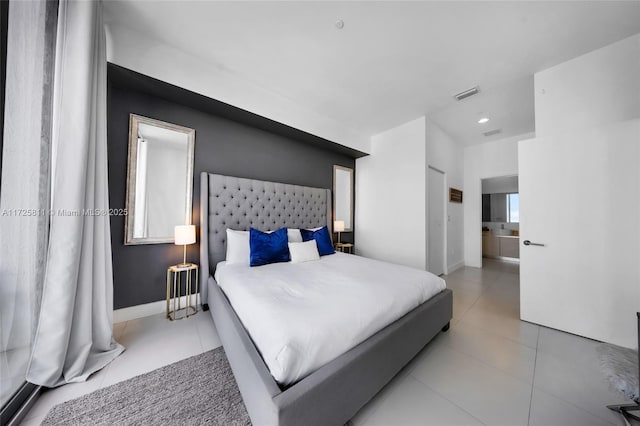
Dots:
{"x": 483, "y": 120}
{"x": 339, "y": 24}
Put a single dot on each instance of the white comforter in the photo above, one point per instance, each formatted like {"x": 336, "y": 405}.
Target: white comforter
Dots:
{"x": 303, "y": 315}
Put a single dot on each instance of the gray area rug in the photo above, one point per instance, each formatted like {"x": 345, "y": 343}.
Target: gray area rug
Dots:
{"x": 195, "y": 391}
{"x": 620, "y": 367}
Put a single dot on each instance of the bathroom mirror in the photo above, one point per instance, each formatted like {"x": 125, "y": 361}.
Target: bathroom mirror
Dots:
{"x": 159, "y": 180}
{"x": 343, "y": 196}
{"x": 501, "y": 208}
{"x": 500, "y": 199}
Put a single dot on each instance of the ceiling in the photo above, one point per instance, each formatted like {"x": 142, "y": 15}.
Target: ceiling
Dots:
{"x": 393, "y": 61}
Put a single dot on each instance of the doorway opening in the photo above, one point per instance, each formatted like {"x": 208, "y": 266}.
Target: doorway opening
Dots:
{"x": 501, "y": 237}
{"x": 500, "y": 220}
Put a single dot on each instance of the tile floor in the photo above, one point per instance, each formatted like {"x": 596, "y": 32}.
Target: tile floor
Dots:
{"x": 489, "y": 369}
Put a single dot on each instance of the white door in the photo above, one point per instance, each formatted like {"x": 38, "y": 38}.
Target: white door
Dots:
{"x": 580, "y": 196}
{"x": 436, "y": 222}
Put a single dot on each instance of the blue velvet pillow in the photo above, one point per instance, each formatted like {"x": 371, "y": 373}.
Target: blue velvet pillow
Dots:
{"x": 322, "y": 237}
{"x": 268, "y": 247}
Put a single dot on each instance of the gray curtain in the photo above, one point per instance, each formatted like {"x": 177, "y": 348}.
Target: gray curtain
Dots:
{"x": 24, "y": 226}
{"x": 74, "y": 334}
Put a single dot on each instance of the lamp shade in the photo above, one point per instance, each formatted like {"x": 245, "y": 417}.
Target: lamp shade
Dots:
{"x": 185, "y": 234}
{"x": 338, "y": 226}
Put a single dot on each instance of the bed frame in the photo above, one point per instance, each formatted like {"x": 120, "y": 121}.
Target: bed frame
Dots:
{"x": 334, "y": 393}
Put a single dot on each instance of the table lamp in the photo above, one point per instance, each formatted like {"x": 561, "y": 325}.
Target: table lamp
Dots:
{"x": 185, "y": 234}
{"x": 338, "y": 226}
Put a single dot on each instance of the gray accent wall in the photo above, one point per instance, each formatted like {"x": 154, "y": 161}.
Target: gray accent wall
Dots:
{"x": 228, "y": 141}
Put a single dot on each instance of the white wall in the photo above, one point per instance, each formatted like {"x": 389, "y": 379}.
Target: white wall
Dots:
{"x": 591, "y": 90}
{"x": 446, "y": 155}
{"x": 391, "y": 196}
{"x": 505, "y": 185}
{"x": 491, "y": 159}
{"x": 587, "y": 112}
{"x": 138, "y": 52}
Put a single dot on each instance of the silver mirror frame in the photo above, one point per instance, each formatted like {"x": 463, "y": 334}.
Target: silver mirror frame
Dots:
{"x": 134, "y": 121}
{"x": 337, "y": 168}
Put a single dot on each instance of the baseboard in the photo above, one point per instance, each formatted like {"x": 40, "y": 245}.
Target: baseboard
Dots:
{"x": 146, "y": 310}
{"x": 455, "y": 266}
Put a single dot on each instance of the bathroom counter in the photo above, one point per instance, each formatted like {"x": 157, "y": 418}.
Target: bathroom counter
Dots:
{"x": 500, "y": 245}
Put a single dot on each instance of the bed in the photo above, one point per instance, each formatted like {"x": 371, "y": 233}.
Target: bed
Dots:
{"x": 333, "y": 392}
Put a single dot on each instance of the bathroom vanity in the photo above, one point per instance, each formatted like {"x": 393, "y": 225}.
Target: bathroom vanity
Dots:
{"x": 500, "y": 245}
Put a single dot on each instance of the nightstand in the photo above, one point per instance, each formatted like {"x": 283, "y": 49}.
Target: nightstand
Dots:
{"x": 175, "y": 279}
{"x": 345, "y": 247}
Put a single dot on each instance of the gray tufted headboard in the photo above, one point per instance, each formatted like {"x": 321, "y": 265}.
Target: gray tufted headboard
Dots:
{"x": 238, "y": 203}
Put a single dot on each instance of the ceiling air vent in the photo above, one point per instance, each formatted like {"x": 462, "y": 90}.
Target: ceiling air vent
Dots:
{"x": 469, "y": 92}
{"x": 492, "y": 132}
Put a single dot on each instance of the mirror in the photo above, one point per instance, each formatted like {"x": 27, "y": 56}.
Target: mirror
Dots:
{"x": 501, "y": 208}
{"x": 159, "y": 180}
{"x": 500, "y": 199}
{"x": 343, "y": 196}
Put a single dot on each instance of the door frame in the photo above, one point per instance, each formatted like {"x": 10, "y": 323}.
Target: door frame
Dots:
{"x": 445, "y": 268}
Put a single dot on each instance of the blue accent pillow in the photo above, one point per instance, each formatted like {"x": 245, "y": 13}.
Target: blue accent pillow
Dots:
{"x": 322, "y": 237}
{"x": 268, "y": 248}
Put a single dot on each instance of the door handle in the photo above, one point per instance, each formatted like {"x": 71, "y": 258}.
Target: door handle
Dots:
{"x": 529, "y": 243}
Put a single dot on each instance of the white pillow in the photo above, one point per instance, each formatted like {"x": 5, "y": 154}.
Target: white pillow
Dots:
{"x": 238, "y": 249}
{"x": 294, "y": 235}
{"x": 304, "y": 252}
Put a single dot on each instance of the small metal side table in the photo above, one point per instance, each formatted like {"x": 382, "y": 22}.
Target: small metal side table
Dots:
{"x": 345, "y": 247}
{"x": 174, "y": 285}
